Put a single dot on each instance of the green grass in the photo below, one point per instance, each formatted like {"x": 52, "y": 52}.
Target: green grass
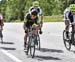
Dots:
{"x": 53, "y": 18}
{"x": 58, "y": 18}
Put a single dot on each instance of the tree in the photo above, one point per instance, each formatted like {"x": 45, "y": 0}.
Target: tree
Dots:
{"x": 16, "y": 9}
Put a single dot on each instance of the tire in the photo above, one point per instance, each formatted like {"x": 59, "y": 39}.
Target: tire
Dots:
{"x": 67, "y": 43}
{"x": 32, "y": 48}
{"x": 32, "y": 51}
{"x": 1, "y": 36}
{"x": 29, "y": 45}
{"x": 38, "y": 39}
{"x": 73, "y": 38}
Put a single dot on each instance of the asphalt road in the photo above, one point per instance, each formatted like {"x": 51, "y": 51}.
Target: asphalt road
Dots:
{"x": 52, "y": 47}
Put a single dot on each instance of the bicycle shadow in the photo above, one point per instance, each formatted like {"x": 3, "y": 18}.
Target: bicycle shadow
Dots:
{"x": 72, "y": 51}
{"x": 41, "y": 58}
{"x": 50, "y": 50}
{"x": 6, "y": 48}
{"x": 7, "y": 42}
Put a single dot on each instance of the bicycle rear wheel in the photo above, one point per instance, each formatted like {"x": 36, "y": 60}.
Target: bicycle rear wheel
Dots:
{"x": 73, "y": 38}
{"x": 67, "y": 42}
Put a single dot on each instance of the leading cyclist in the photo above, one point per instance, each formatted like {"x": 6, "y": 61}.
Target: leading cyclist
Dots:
{"x": 35, "y": 6}
{"x": 30, "y": 21}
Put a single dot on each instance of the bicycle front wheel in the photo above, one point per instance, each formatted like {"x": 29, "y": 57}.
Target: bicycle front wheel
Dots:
{"x": 67, "y": 42}
{"x": 32, "y": 48}
{"x": 1, "y": 36}
{"x": 38, "y": 39}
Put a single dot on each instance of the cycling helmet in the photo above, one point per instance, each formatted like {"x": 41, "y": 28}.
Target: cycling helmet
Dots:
{"x": 35, "y": 3}
{"x": 72, "y": 7}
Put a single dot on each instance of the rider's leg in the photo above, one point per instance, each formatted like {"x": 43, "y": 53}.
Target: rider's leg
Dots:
{"x": 67, "y": 28}
{"x": 40, "y": 28}
{"x": 25, "y": 38}
{"x": 1, "y": 31}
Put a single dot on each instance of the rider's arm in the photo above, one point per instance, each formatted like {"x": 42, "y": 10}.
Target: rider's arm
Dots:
{"x": 40, "y": 13}
{"x": 2, "y": 22}
{"x": 66, "y": 16}
{"x": 24, "y": 25}
{"x": 30, "y": 9}
{"x": 66, "y": 13}
{"x": 41, "y": 16}
{"x": 27, "y": 17}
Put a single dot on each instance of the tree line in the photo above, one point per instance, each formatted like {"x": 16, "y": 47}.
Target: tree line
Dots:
{"x": 16, "y": 9}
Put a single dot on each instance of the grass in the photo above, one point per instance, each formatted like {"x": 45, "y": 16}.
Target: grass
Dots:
{"x": 53, "y": 19}
{"x": 58, "y": 18}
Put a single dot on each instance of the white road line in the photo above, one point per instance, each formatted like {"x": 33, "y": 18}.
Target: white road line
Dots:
{"x": 11, "y": 56}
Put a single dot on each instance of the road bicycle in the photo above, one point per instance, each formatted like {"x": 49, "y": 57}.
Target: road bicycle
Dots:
{"x": 71, "y": 37}
{"x": 33, "y": 41}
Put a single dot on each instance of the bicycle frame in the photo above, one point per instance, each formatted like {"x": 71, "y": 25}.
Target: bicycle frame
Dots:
{"x": 70, "y": 40}
{"x": 72, "y": 32}
{"x": 31, "y": 42}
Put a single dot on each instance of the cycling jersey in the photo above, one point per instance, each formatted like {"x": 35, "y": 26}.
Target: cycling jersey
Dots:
{"x": 71, "y": 17}
{"x": 29, "y": 22}
{"x": 68, "y": 15}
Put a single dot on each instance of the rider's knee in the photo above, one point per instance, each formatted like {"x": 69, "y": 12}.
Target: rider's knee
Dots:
{"x": 67, "y": 22}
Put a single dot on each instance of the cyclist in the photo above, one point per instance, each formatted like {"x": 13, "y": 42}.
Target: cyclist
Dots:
{"x": 1, "y": 22}
{"x": 1, "y": 26}
{"x": 31, "y": 19}
{"x": 39, "y": 11}
{"x": 69, "y": 16}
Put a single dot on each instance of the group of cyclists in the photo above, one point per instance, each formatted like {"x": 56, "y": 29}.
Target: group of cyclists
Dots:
{"x": 32, "y": 18}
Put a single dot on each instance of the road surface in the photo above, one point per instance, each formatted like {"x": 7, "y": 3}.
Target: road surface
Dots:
{"x": 52, "y": 47}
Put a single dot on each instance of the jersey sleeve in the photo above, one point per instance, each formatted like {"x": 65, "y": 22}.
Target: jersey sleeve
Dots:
{"x": 40, "y": 13}
{"x": 66, "y": 14}
{"x": 30, "y": 9}
{"x": 27, "y": 17}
